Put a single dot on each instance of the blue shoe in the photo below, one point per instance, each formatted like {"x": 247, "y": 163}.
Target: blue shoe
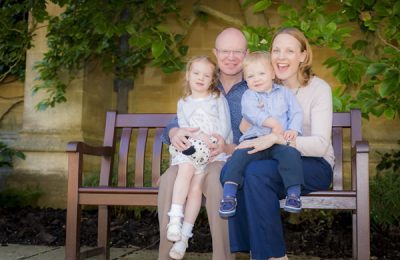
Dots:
{"x": 292, "y": 204}
{"x": 227, "y": 207}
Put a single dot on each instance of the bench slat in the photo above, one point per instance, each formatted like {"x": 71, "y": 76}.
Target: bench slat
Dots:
{"x": 312, "y": 202}
{"x": 140, "y": 154}
{"x": 123, "y": 156}
{"x": 157, "y": 157}
{"x": 337, "y": 143}
{"x": 119, "y": 199}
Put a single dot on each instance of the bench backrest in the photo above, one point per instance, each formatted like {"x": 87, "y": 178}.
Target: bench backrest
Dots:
{"x": 144, "y": 122}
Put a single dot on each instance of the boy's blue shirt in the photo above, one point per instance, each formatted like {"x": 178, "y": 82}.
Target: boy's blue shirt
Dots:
{"x": 280, "y": 103}
{"x": 234, "y": 97}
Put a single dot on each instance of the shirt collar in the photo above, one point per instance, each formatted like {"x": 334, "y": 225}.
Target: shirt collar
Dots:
{"x": 242, "y": 83}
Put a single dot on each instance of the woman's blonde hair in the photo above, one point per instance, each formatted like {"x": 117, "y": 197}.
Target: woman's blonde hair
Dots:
{"x": 304, "y": 72}
{"x": 256, "y": 56}
{"x": 213, "y": 87}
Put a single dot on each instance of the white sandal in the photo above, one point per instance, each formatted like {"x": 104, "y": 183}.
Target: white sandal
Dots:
{"x": 174, "y": 231}
{"x": 178, "y": 250}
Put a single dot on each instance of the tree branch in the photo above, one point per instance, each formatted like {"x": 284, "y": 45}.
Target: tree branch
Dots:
{"x": 217, "y": 14}
{"x": 386, "y": 42}
{"x": 10, "y": 108}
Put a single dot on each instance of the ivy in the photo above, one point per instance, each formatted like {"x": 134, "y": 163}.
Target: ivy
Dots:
{"x": 368, "y": 66}
{"x": 91, "y": 30}
{"x": 7, "y": 155}
{"x": 15, "y": 36}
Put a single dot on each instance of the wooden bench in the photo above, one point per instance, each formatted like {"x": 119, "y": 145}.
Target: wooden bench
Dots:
{"x": 104, "y": 195}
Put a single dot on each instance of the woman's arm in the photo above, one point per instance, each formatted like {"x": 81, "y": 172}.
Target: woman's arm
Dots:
{"x": 316, "y": 140}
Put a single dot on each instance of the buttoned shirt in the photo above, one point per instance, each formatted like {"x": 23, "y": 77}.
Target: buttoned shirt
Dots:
{"x": 280, "y": 104}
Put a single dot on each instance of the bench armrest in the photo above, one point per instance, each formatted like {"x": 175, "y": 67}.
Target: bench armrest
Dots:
{"x": 362, "y": 147}
{"x": 83, "y": 148}
{"x": 360, "y": 165}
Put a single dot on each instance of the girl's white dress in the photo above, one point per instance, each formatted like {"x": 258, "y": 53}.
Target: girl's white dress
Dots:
{"x": 211, "y": 115}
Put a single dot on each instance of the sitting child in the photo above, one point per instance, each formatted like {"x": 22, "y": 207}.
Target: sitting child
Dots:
{"x": 268, "y": 108}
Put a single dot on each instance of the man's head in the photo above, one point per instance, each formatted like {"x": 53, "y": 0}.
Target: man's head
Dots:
{"x": 230, "y": 50}
{"x": 258, "y": 71}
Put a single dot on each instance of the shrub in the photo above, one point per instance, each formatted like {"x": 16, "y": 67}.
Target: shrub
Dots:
{"x": 385, "y": 195}
{"x": 7, "y": 155}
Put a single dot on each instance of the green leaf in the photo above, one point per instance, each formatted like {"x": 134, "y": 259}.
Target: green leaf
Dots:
{"x": 157, "y": 48}
{"x": 283, "y": 8}
{"x": 304, "y": 26}
{"x": 330, "y": 28}
{"x": 369, "y": 2}
{"x": 396, "y": 8}
{"x": 375, "y": 69}
{"x": 163, "y": 28}
{"x": 359, "y": 45}
{"x": 261, "y": 6}
{"x": 130, "y": 28}
{"x": 183, "y": 50}
{"x": 386, "y": 87}
{"x": 389, "y": 113}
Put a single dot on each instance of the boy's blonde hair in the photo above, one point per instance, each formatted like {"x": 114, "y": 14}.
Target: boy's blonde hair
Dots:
{"x": 213, "y": 87}
{"x": 256, "y": 56}
{"x": 304, "y": 72}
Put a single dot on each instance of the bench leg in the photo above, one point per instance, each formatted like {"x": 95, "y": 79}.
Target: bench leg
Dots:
{"x": 363, "y": 214}
{"x": 355, "y": 245}
{"x": 103, "y": 231}
{"x": 72, "y": 243}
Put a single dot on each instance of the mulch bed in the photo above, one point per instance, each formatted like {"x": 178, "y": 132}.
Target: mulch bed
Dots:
{"x": 317, "y": 237}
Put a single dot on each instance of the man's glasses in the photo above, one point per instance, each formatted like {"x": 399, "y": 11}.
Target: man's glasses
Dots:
{"x": 235, "y": 53}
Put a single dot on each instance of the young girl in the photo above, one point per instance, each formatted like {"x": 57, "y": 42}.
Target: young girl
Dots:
{"x": 203, "y": 107}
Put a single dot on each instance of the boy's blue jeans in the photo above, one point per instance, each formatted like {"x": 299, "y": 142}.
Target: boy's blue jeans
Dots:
{"x": 289, "y": 161}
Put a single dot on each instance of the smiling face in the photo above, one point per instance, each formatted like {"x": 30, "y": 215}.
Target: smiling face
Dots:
{"x": 230, "y": 50}
{"x": 200, "y": 77}
{"x": 259, "y": 75}
{"x": 286, "y": 56}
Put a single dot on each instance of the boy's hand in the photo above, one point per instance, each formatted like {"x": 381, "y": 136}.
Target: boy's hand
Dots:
{"x": 244, "y": 125}
{"x": 290, "y": 135}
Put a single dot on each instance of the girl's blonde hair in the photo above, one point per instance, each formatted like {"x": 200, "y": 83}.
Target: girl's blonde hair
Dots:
{"x": 213, "y": 87}
{"x": 304, "y": 72}
{"x": 256, "y": 56}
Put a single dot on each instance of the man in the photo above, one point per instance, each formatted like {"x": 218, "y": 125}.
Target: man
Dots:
{"x": 230, "y": 50}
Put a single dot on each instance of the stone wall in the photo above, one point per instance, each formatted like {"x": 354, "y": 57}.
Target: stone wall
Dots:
{"x": 43, "y": 135}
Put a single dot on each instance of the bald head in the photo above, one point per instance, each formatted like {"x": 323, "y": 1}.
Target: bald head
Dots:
{"x": 231, "y": 35}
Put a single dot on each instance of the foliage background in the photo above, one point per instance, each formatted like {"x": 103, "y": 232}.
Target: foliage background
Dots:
{"x": 363, "y": 34}
{"x": 367, "y": 68}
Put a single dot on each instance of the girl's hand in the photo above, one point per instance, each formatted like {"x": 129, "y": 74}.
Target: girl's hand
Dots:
{"x": 218, "y": 147}
{"x": 290, "y": 135}
{"x": 261, "y": 143}
{"x": 205, "y": 138}
{"x": 179, "y": 137}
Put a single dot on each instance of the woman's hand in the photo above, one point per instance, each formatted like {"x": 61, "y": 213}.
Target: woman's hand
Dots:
{"x": 179, "y": 137}
{"x": 261, "y": 143}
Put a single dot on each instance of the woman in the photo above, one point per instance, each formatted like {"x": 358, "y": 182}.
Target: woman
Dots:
{"x": 257, "y": 226}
